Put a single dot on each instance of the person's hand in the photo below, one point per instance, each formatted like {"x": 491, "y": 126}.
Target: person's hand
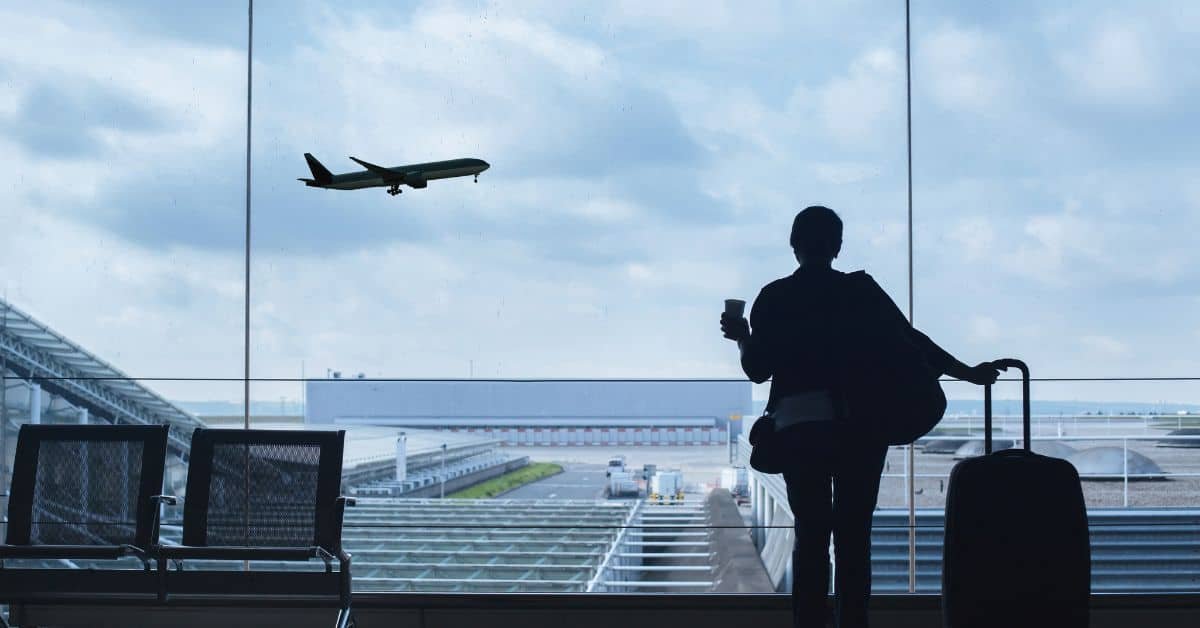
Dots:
{"x": 983, "y": 374}
{"x": 735, "y": 327}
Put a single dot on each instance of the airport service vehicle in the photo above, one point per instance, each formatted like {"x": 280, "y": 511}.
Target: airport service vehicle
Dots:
{"x": 622, "y": 484}
{"x": 736, "y": 480}
{"x": 616, "y": 463}
{"x": 648, "y": 471}
{"x": 666, "y": 487}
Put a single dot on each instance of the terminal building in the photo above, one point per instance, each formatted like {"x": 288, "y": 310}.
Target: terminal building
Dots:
{"x": 542, "y": 412}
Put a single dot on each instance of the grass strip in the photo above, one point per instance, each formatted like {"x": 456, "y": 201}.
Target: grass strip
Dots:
{"x": 507, "y": 482}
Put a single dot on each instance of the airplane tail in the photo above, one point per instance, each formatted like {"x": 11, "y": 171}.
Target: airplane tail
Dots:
{"x": 320, "y": 173}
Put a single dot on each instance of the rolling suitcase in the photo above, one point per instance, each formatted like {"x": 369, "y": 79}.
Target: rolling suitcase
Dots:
{"x": 1016, "y": 551}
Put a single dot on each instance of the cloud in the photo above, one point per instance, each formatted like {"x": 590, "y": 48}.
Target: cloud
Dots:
{"x": 548, "y": 103}
{"x": 1105, "y": 346}
{"x": 853, "y": 107}
{"x": 963, "y": 69}
{"x": 976, "y": 236}
{"x": 840, "y": 173}
{"x": 1116, "y": 63}
{"x": 983, "y": 330}
{"x": 549, "y": 110}
{"x": 60, "y": 121}
{"x": 170, "y": 315}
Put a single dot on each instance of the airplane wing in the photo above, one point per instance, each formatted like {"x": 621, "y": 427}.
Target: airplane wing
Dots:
{"x": 386, "y": 174}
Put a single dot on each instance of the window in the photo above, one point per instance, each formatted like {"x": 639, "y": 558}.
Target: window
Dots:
{"x": 122, "y": 215}
{"x": 545, "y": 340}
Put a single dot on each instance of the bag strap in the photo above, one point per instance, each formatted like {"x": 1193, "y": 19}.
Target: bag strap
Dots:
{"x": 772, "y": 400}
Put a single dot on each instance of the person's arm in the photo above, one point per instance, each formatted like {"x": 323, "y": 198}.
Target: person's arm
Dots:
{"x": 940, "y": 359}
{"x": 757, "y": 354}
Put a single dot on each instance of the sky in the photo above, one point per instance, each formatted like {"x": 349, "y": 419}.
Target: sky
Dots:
{"x": 647, "y": 160}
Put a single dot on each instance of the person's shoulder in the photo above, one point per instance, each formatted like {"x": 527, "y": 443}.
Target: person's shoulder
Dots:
{"x": 862, "y": 277}
{"x": 776, "y": 287}
{"x": 863, "y": 284}
{"x": 777, "y": 284}
{"x": 772, "y": 293}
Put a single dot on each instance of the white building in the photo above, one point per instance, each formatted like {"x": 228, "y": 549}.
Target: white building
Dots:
{"x": 541, "y": 412}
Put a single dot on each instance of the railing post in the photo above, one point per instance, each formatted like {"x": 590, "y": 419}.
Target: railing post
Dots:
{"x": 1125, "y": 469}
{"x": 832, "y": 567}
{"x": 755, "y": 508}
{"x": 35, "y": 403}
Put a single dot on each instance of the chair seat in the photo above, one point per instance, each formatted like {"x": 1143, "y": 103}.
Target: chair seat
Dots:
{"x": 182, "y": 552}
{"x": 313, "y": 585}
{"x": 76, "y": 585}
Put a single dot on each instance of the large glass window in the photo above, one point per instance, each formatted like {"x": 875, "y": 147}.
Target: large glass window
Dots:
{"x": 645, "y": 165}
{"x": 121, "y": 219}
{"x": 529, "y": 367}
{"x": 1054, "y": 203}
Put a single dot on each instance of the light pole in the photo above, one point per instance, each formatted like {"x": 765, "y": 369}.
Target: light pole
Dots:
{"x": 443, "y": 471}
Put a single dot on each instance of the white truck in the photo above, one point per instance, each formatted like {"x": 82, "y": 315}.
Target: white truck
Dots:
{"x": 615, "y": 464}
{"x": 735, "y": 479}
{"x": 622, "y": 484}
{"x": 648, "y": 471}
{"x": 666, "y": 487}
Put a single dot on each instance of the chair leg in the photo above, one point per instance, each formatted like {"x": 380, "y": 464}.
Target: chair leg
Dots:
{"x": 345, "y": 619}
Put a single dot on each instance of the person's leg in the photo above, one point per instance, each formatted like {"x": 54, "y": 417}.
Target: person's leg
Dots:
{"x": 810, "y": 501}
{"x": 855, "y": 491}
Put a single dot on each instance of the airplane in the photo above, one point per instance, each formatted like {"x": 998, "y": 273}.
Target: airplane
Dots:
{"x": 412, "y": 175}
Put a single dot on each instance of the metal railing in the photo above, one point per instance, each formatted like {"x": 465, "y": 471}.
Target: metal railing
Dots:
{"x": 1133, "y": 549}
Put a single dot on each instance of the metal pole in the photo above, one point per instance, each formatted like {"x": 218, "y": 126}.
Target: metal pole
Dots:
{"x": 729, "y": 445}
{"x": 246, "y": 305}
{"x": 443, "y": 491}
{"x": 1125, "y": 469}
{"x": 4, "y": 404}
{"x": 912, "y": 507}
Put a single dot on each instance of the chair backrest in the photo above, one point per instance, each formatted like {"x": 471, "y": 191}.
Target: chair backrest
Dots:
{"x": 86, "y": 485}
{"x": 264, "y": 488}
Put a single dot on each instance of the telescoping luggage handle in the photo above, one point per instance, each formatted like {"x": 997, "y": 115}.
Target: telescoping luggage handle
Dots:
{"x": 1004, "y": 364}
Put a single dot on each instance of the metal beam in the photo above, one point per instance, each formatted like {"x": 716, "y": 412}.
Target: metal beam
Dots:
{"x": 45, "y": 370}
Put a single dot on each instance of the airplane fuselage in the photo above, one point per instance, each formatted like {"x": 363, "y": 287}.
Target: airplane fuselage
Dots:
{"x": 413, "y": 175}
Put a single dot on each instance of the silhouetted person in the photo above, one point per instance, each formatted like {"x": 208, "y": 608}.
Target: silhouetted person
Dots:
{"x": 794, "y": 343}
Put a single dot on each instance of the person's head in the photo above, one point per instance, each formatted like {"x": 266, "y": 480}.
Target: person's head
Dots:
{"x": 816, "y": 235}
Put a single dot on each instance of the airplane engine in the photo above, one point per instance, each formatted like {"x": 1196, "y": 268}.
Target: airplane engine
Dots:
{"x": 415, "y": 179}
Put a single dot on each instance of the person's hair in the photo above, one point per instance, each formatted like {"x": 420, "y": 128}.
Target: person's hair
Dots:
{"x": 817, "y": 233}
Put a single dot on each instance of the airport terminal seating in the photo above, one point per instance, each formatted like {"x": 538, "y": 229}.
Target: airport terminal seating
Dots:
{"x": 262, "y": 495}
{"x": 83, "y": 495}
{"x": 83, "y": 524}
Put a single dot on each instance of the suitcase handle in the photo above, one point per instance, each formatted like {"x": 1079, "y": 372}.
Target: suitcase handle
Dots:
{"x": 1004, "y": 364}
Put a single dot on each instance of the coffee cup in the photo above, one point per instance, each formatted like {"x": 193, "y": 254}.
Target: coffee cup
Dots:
{"x": 735, "y": 308}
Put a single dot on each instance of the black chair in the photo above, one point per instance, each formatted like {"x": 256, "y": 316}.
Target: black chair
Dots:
{"x": 262, "y": 495}
{"x": 82, "y": 495}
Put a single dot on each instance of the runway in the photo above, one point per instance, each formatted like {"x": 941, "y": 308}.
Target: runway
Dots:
{"x": 577, "y": 481}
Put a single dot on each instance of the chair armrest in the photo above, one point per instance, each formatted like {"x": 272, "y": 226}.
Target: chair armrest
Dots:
{"x": 169, "y": 500}
{"x": 158, "y": 501}
{"x": 339, "y": 515}
{"x": 71, "y": 552}
{"x": 133, "y": 550}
